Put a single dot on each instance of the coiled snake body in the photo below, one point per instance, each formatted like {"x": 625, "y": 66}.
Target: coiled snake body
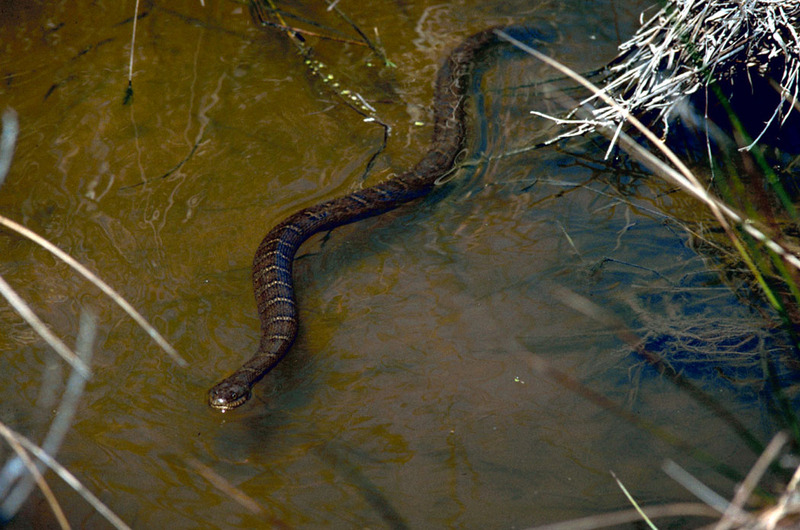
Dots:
{"x": 272, "y": 265}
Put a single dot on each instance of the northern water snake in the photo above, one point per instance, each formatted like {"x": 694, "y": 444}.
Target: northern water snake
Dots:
{"x": 272, "y": 265}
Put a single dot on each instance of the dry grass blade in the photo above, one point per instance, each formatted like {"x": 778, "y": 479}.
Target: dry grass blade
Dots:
{"x": 24, "y": 310}
{"x": 15, "y": 486}
{"x": 103, "y": 286}
{"x": 633, "y": 502}
{"x": 12, "y": 438}
{"x": 745, "y": 489}
{"x": 788, "y": 504}
{"x": 732, "y": 513}
{"x": 681, "y": 509}
{"x": 65, "y": 475}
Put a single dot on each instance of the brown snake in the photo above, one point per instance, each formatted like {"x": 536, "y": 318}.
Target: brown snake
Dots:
{"x": 272, "y": 265}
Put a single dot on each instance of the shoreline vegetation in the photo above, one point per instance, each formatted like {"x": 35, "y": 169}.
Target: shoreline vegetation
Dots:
{"x": 726, "y": 72}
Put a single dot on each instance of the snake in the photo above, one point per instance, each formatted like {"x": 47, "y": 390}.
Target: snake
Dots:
{"x": 272, "y": 264}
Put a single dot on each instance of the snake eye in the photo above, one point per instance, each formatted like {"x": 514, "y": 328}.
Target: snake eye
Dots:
{"x": 227, "y": 396}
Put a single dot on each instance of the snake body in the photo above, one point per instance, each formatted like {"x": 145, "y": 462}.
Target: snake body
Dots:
{"x": 272, "y": 264}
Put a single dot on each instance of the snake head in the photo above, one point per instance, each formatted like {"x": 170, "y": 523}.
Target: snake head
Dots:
{"x": 228, "y": 395}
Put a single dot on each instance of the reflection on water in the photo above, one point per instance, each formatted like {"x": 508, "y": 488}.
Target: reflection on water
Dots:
{"x": 410, "y": 397}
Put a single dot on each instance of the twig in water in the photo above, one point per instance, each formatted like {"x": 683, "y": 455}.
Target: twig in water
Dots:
{"x": 232, "y": 491}
{"x": 377, "y": 50}
{"x": 223, "y": 485}
{"x": 129, "y": 91}
{"x": 309, "y": 33}
{"x": 261, "y": 14}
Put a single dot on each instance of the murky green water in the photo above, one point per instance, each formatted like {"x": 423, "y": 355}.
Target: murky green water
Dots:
{"x": 410, "y": 396}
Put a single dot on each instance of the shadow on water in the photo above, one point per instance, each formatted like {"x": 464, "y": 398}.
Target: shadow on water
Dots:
{"x": 410, "y": 398}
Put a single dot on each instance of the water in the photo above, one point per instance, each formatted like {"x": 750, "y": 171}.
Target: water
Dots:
{"x": 411, "y": 396}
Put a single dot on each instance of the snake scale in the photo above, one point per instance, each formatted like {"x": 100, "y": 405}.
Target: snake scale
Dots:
{"x": 272, "y": 264}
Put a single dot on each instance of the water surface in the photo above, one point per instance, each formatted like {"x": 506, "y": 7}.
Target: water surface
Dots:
{"x": 411, "y": 396}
